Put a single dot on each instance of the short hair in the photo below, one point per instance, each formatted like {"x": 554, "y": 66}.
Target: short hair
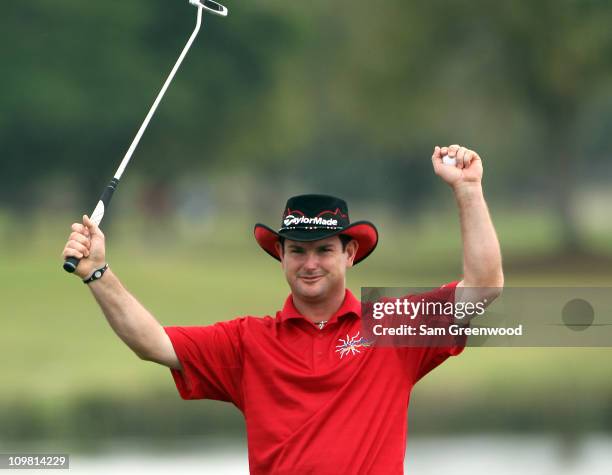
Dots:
{"x": 344, "y": 240}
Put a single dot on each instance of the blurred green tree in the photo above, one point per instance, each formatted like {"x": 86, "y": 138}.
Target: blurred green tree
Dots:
{"x": 79, "y": 77}
{"x": 512, "y": 79}
{"x": 557, "y": 55}
{"x": 284, "y": 89}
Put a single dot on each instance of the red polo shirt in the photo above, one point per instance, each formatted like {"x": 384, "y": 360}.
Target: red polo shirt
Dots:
{"x": 310, "y": 408}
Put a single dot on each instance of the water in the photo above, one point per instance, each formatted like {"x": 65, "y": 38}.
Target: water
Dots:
{"x": 473, "y": 455}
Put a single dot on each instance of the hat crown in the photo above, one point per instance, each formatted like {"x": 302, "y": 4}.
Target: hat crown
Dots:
{"x": 308, "y": 218}
{"x": 314, "y": 212}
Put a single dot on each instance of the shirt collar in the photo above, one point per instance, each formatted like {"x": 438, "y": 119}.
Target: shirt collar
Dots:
{"x": 350, "y": 305}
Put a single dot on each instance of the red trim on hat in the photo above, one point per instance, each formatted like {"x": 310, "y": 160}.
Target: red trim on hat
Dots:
{"x": 362, "y": 231}
{"x": 266, "y": 239}
{"x": 333, "y": 213}
{"x": 290, "y": 211}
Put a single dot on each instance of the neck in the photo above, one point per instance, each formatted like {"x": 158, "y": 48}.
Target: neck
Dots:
{"x": 319, "y": 311}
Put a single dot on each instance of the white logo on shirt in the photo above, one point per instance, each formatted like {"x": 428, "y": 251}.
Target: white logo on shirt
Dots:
{"x": 351, "y": 345}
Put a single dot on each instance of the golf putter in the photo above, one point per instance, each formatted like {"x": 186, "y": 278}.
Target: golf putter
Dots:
{"x": 71, "y": 263}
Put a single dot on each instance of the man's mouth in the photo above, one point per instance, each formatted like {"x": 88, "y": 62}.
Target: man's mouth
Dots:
{"x": 311, "y": 278}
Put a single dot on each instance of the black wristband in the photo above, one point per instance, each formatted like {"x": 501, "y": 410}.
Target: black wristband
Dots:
{"x": 97, "y": 274}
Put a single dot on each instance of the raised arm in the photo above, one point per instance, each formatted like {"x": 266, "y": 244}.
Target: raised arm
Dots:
{"x": 482, "y": 261}
{"x": 128, "y": 318}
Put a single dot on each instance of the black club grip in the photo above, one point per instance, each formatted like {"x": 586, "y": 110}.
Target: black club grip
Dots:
{"x": 71, "y": 263}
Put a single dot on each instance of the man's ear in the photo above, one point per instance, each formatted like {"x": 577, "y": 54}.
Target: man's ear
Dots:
{"x": 351, "y": 250}
{"x": 279, "y": 249}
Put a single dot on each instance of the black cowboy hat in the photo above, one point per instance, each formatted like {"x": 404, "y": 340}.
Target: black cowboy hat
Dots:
{"x": 314, "y": 217}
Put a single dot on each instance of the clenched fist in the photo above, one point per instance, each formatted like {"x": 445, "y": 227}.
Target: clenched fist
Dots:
{"x": 466, "y": 171}
{"x": 86, "y": 242}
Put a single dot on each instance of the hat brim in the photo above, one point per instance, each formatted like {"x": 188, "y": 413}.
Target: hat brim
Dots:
{"x": 364, "y": 232}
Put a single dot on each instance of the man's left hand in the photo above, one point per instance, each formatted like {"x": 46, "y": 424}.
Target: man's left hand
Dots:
{"x": 467, "y": 170}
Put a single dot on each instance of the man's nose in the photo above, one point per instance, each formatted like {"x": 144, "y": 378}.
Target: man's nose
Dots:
{"x": 312, "y": 260}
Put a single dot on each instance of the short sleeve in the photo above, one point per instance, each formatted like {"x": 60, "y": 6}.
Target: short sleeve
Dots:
{"x": 422, "y": 360}
{"x": 211, "y": 361}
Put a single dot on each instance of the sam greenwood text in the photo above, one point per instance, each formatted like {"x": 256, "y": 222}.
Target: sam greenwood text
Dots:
{"x": 452, "y": 330}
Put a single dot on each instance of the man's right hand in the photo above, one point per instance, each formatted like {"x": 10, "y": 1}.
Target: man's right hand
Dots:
{"x": 86, "y": 242}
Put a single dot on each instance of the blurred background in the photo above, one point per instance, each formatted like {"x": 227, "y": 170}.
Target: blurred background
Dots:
{"x": 281, "y": 98}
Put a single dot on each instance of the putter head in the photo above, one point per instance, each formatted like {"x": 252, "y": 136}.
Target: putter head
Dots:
{"x": 213, "y": 7}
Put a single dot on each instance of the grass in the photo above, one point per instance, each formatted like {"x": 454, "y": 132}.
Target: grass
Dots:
{"x": 56, "y": 347}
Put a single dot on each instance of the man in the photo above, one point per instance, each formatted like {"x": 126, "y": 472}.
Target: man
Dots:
{"x": 315, "y": 396}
